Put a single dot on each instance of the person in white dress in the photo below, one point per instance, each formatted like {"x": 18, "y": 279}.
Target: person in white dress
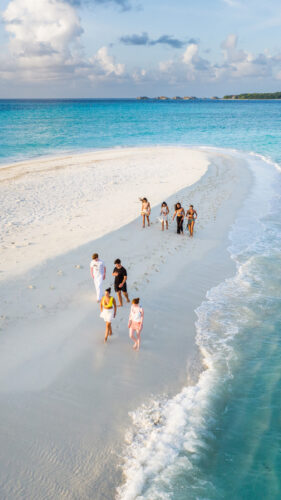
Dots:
{"x": 98, "y": 273}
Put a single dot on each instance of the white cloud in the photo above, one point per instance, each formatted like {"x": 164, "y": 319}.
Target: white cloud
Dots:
{"x": 139, "y": 75}
{"x": 44, "y": 44}
{"x": 240, "y": 63}
{"x": 230, "y": 51}
{"x": 105, "y": 64}
{"x": 44, "y": 37}
{"x": 236, "y": 64}
{"x": 190, "y": 52}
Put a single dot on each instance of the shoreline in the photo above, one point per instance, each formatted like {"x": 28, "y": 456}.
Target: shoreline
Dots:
{"x": 99, "y": 384}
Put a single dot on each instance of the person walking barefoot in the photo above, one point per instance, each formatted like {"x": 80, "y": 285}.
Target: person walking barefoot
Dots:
{"x": 164, "y": 214}
{"x": 120, "y": 282}
{"x": 191, "y": 215}
{"x": 135, "y": 323}
{"x": 98, "y": 272}
{"x": 179, "y": 213}
{"x": 145, "y": 211}
{"x": 108, "y": 311}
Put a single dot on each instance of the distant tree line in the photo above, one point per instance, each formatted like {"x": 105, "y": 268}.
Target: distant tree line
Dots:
{"x": 267, "y": 95}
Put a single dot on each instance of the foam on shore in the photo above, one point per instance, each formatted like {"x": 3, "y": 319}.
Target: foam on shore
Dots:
{"x": 172, "y": 442}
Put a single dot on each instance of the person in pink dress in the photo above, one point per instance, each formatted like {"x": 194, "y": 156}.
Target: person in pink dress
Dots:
{"x": 135, "y": 322}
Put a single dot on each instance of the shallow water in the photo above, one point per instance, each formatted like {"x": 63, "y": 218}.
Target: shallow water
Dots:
{"x": 29, "y": 128}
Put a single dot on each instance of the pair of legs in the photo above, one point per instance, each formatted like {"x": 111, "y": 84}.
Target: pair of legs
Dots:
{"x": 136, "y": 339}
{"x": 179, "y": 225}
{"x": 163, "y": 224}
{"x": 119, "y": 295}
{"x": 143, "y": 220}
{"x": 108, "y": 331}
{"x": 191, "y": 227}
{"x": 98, "y": 285}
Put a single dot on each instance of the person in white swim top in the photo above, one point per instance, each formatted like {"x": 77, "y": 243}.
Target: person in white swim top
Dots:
{"x": 98, "y": 273}
{"x": 135, "y": 323}
{"x": 164, "y": 215}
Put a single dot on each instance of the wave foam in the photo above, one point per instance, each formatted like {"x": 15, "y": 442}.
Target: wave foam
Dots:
{"x": 169, "y": 437}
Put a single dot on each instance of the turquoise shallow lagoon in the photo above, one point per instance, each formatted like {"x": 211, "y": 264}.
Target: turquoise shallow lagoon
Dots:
{"x": 31, "y": 128}
{"x": 231, "y": 446}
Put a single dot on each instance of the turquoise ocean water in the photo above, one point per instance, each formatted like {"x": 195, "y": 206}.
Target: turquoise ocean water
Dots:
{"x": 222, "y": 438}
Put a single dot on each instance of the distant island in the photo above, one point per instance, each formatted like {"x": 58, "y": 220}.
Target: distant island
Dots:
{"x": 267, "y": 95}
{"x": 165, "y": 98}
{"x": 254, "y": 95}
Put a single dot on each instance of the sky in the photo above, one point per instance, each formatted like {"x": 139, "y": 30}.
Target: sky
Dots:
{"x": 128, "y": 48}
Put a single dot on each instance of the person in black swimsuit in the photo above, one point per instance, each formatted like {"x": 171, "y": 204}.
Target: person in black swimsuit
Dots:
{"x": 179, "y": 212}
{"x": 120, "y": 285}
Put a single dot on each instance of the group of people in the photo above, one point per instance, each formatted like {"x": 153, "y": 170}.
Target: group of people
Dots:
{"x": 108, "y": 307}
{"x": 179, "y": 214}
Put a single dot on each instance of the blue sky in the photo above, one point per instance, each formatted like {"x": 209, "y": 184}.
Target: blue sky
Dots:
{"x": 126, "y": 48}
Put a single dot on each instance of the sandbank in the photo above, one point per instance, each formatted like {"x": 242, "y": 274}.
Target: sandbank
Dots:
{"x": 65, "y": 396}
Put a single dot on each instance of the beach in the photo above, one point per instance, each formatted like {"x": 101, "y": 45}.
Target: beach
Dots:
{"x": 66, "y": 398}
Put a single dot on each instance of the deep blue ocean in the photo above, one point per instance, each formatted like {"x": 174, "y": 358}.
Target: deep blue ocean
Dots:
{"x": 220, "y": 439}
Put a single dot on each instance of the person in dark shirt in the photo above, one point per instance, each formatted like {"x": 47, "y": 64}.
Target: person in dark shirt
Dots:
{"x": 120, "y": 285}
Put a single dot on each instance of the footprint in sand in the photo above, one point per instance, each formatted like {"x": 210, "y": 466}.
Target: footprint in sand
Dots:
{"x": 60, "y": 272}
{"x": 31, "y": 287}
{"x": 52, "y": 287}
{"x": 78, "y": 266}
{"x": 41, "y": 306}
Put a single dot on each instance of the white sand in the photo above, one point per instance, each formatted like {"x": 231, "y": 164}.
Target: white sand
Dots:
{"x": 50, "y": 206}
{"x": 65, "y": 396}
